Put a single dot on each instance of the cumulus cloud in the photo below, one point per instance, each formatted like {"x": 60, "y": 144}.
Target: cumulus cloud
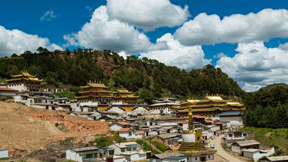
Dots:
{"x": 48, "y": 15}
{"x": 147, "y": 14}
{"x": 255, "y": 65}
{"x": 16, "y": 41}
{"x": 237, "y": 28}
{"x": 104, "y": 33}
{"x": 284, "y": 46}
{"x": 175, "y": 54}
{"x": 219, "y": 55}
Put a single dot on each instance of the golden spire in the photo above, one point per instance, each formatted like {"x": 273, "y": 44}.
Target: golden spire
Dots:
{"x": 190, "y": 124}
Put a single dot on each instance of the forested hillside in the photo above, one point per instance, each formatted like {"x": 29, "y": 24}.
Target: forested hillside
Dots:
{"x": 267, "y": 107}
{"x": 75, "y": 68}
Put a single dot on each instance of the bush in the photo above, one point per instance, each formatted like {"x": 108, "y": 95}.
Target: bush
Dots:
{"x": 66, "y": 141}
{"x": 102, "y": 141}
{"x": 119, "y": 139}
{"x": 146, "y": 147}
{"x": 160, "y": 146}
{"x": 56, "y": 124}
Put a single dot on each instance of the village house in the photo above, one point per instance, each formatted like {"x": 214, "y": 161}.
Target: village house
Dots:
{"x": 93, "y": 154}
{"x": 274, "y": 159}
{"x": 169, "y": 139}
{"x": 168, "y": 157}
{"x": 130, "y": 150}
{"x": 119, "y": 125}
{"x": 129, "y": 133}
{"x": 5, "y": 91}
{"x": 247, "y": 144}
{"x": 232, "y": 137}
{"x": 229, "y": 116}
{"x": 4, "y": 154}
{"x": 257, "y": 154}
{"x": 53, "y": 90}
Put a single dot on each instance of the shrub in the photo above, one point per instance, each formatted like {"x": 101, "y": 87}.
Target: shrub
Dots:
{"x": 160, "y": 146}
{"x": 56, "y": 124}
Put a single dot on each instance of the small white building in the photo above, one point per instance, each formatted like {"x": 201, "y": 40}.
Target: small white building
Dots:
{"x": 274, "y": 159}
{"x": 129, "y": 133}
{"x": 118, "y": 125}
{"x": 257, "y": 154}
{"x": 231, "y": 116}
{"x": 93, "y": 154}
{"x": 247, "y": 144}
{"x": 130, "y": 150}
{"x": 4, "y": 154}
{"x": 168, "y": 157}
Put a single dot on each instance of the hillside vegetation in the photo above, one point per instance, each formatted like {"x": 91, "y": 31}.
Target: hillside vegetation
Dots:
{"x": 267, "y": 108}
{"x": 75, "y": 68}
{"x": 268, "y": 137}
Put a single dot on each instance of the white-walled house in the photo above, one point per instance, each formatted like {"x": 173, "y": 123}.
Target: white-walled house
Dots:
{"x": 130, "y": 150}
{"x": 4, "y": 154}
{"x": 231, "y": 116}
{"x": 93, "y": 154}
{"x": 168, "y": 157}
{"x": 129, "y": 133}
{"x": 118, "y": 125}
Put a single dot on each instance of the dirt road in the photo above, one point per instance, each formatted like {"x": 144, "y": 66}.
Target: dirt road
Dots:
{"x": 221, "y": 152}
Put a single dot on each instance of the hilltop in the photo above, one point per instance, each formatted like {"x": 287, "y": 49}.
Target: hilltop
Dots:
{"x": 75, "y": 68}
{"x": 275, "y": 85}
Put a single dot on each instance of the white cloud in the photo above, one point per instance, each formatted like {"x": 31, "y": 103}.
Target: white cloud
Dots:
{"x": 48, "y": 15}
{"x": 256, "y": 65}
{"x": 103, "y": 33}
{"x": 284, "y": 46}
{"x": 219, "y": 55}
{"x": 16, "y": 41}
{"x": 237, "y": 28}
{"x": 147, "y": 14}
{"x": 175, "y": 54}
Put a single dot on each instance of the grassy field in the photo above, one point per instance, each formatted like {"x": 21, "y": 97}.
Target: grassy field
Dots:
{"x": 268, "y": 137}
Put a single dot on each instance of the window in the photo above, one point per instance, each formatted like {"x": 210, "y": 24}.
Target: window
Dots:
{"x": 88, "y": 156}
{"x": 130, "y": 133}
{"x": 111, "y": 152}
{"x": 122, "y": 149}
{"x": 195, "y": 158}
{"x": 182, "y": 161}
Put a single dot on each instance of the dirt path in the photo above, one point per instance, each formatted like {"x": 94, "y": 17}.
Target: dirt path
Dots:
{"x": 221, "y": 152}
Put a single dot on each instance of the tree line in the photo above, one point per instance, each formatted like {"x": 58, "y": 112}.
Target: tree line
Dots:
{"x": 267, "y": 108}
{"x": 153, "y": 78}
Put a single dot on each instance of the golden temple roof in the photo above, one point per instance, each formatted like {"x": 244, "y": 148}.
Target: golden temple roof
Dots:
{"x": 24, "y": 75}
{"x": 94, "y": 85}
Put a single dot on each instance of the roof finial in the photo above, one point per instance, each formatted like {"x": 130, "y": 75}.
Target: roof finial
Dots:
{"x": 190, "y": 114}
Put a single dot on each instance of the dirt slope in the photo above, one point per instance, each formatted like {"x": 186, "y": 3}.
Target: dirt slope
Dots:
{"x": 24, "y": 129}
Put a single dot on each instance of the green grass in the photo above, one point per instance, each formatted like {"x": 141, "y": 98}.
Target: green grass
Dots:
{"x": 146, "y": 147}
{"x": 2, "y": 159}
{"x": 160, "y": 146}
{"x": 277, "y": 138}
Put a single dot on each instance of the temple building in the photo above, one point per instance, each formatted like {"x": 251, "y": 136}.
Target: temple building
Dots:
{"x": 123, "y": 96}
{"x": 211, "y": 106}
{"x": 24, "y": 82}
{"x": 94, "y": 94}
{"x": 97, "y": 97}
{"x": 192, "y": 147}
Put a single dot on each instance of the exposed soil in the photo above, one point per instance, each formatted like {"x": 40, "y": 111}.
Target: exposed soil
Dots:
{"x": 26, "y": 131}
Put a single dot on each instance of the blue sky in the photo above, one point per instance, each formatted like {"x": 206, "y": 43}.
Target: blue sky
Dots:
{"x": 257, "y": 48}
